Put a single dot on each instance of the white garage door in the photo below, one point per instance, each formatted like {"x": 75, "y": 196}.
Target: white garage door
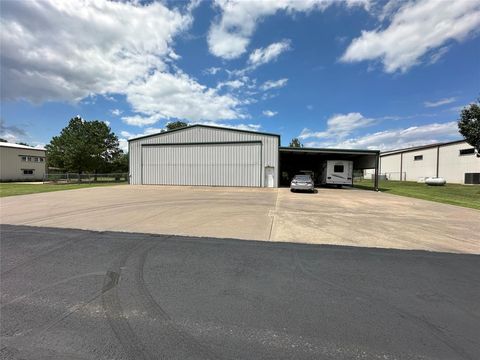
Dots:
{"x": 212, "y": 164}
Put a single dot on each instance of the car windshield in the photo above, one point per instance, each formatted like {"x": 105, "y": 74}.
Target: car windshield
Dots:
{"x": 302, "y": 178}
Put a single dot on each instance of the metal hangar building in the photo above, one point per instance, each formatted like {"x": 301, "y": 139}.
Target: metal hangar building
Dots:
{"x": 215, "y": 156}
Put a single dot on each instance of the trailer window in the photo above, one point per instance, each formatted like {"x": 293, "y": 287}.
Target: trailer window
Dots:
{"x": 338, "y": 168}
{"x": 467, "y": 151}
{"x": 418, "y": 157}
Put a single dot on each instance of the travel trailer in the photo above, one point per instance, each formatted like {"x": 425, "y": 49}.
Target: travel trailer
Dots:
{"x": 337, "y": 172}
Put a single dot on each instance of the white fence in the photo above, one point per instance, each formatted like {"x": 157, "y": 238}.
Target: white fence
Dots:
{"x": 394, "y": 176}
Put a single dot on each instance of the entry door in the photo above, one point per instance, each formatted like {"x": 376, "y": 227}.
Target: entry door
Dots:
{"x": 269, "y": 176}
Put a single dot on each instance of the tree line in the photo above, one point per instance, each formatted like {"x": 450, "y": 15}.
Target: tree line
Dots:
{"x": 90, "y": 147}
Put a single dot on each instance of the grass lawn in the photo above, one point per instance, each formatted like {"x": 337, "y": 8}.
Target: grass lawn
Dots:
{"x": 454, "y": 194}
{"x": 10, "y": 189}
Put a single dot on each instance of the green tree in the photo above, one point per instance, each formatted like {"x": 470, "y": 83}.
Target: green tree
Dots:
{"x": 3, "y": 140}
{"x": 83, "y": 146}
{"x": 176, "y": 125}
{"x": 120, "y": 164}
{"x": 295, "y": 143}
{"x": 23, "y": 143}
{"x": 469, "y": 125}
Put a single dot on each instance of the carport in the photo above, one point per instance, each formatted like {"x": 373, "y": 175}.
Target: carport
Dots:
{"x": 295, "y": 160}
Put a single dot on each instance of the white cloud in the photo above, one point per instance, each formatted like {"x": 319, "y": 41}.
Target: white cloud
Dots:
{"x": 212, "y": 70}
{"x": 397, "y": 138}
{"x": 173, "y": 55}
{"x": 67, "y": 50}
{"x": 339, "y": 126}
{"x": 177, "y": 96}
{"x": 233, "y": 84}
{"x": 269, "y": 113}
{"x": 126, "y": 135}
{"x": 11, "y": 133}
{"x": 107, "y": 122}
{"x": 438, "y": 54}
{"x": 123, "y": 144}
{"x": 249, "y": 127}
{"x": 104, "y": 47}
{"x": 416, "y": 29}
{"x": 430, "y": 104}
{"x": 273, "y": 84}
{"x": 229, "y": 37}
{"x": 139, "y": 120}
{"x": 116, "y": 112}
{"x": 146, "y": 131}
{"x": 262, "y": 56}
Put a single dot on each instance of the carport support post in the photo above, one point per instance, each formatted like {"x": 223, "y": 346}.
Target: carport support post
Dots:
{"x": 375, "y": 186}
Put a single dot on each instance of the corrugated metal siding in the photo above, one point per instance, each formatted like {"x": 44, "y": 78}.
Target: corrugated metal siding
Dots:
{"x": 212, "y": 164}
{"x": 206, "y": 135}
{"x": 451, "y": 165}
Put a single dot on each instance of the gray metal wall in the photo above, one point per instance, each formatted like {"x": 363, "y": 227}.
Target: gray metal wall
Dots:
{"x": 245, "y": 157}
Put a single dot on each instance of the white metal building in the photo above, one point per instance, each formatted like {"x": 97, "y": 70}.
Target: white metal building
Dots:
{"x": 205, "y": 155}
{"x": 454, "y": 161}
{"x": 218, "y": 156}
{"x": 21, "y": 163}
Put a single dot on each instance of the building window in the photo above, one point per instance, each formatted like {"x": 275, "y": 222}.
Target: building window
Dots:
{"x": 32, "y": 158}
{"x": 418, "y": 157}
{"x": 338, "y": 168}
{"x": 472, "y": 178}
{"x": 467, "y": 151}
{"x": 27, "y": 171}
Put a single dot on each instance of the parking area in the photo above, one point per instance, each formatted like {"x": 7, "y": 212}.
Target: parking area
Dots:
{"x": 331, "y": 216}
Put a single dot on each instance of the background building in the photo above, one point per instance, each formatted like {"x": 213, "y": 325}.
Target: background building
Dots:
{"x": 21, "y": 163}
{"x": 216, "y": 156}
{"x": 454, "y": 161}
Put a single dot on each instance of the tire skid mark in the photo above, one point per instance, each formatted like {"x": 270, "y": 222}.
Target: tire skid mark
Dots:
{"x": 418, "y": 321}
{"x": 131, "y": 344}
{"x": 155, "y": 311}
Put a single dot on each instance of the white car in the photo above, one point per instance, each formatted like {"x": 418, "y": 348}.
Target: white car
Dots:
{"x": 302, "y": 183}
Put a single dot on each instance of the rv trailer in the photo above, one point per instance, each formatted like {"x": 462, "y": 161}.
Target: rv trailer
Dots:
{"x": 337, "y": 172}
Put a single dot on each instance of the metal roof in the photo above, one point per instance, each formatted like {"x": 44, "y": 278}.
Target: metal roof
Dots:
{"x": 422, "y": 147}
{"x": 18, "y": 146}
{"x": 208, "y": 127}
{"x": 328, "y": 151}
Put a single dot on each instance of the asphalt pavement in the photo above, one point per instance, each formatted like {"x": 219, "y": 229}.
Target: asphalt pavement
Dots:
{"x": 77, "y": 294}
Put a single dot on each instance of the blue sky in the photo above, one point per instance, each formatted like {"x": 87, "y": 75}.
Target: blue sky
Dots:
{"x": 351, "y": 74}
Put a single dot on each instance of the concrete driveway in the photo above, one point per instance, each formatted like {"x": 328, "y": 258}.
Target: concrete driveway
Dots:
{"x": 331, "y": 216}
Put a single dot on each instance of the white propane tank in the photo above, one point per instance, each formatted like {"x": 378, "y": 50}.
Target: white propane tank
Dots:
{"x": 435, "y": 181}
